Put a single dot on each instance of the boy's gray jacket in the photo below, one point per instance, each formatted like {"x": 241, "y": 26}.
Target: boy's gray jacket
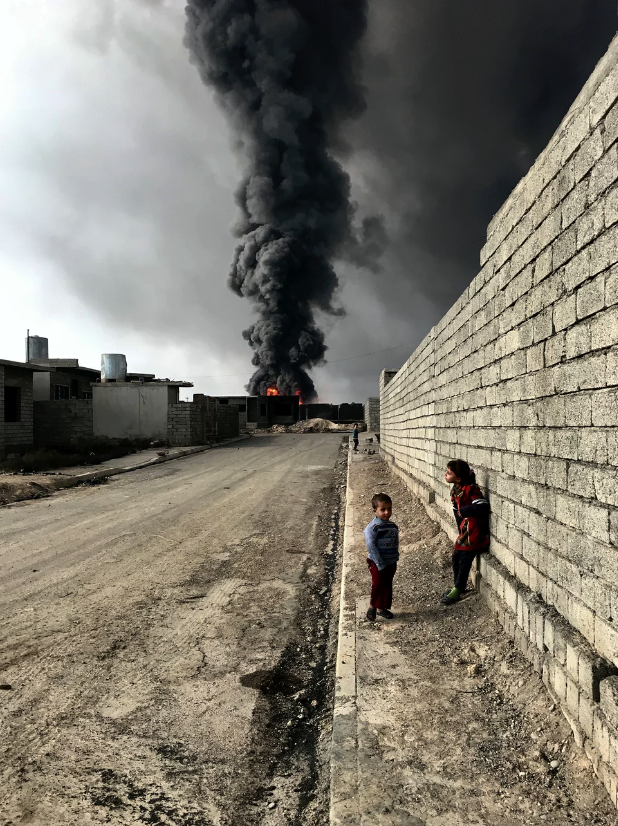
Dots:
{"x": 382, "y": 539}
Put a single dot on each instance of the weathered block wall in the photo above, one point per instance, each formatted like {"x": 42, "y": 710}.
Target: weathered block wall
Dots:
{"x": 520, "y": 378}
{"x": 63, "y": 423}
{"x": 372, "y": 414}
{"x": 227, "y": 421}
{"x": 16, "y": 436}
{"x": 201, "y": 421}
{"x": 185, "y": 425}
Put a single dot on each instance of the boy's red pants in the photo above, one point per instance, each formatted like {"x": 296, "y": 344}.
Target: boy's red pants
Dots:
{"x": 381, "y": 585}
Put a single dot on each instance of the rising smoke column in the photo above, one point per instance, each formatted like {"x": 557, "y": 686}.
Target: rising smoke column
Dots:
{"x": 286, "y": 73}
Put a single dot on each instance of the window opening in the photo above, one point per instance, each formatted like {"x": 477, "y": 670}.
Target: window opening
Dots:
{"x": 12, "y": 404}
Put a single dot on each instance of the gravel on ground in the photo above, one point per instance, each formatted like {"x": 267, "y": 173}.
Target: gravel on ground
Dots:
{"x": 455, "y": 727}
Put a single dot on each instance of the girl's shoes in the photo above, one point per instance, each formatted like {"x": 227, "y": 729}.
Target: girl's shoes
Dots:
{"x": 386, "y": 614}
{"x": 371, "y": 614}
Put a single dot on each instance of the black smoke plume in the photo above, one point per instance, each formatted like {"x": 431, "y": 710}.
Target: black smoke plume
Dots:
{"x": 286, "y": 73}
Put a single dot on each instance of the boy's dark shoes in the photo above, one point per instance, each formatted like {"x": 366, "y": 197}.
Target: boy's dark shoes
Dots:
{"x": 386, "y": 614}
{"x": 448, "y": 600}
{"x": 371, "y": 614}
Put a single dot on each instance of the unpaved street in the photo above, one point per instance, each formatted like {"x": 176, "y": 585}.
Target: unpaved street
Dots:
{"x": 164, "y": 641}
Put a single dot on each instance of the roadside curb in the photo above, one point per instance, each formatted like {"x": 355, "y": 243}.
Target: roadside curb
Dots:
{"x": 344, "y": 798}
{"x": 73, "y": 481}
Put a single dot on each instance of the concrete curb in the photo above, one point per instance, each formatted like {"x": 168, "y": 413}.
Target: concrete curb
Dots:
{"x": 344, "y": 797}
{"x": 72, "y": 481}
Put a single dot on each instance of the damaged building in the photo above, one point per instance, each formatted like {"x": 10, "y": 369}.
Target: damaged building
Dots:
{"x": 16, "y": 407}
{"x": 264, "y": 411}
{"x": 72, "y": 405}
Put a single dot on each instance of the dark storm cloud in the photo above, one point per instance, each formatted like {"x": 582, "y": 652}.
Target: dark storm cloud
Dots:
{"x": 287, "y": 75}
{"x": 115, "y": 165}
{"x": 462, "y": 98}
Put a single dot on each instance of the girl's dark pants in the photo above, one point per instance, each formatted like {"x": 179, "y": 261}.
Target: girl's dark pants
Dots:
{"x": 381, "y": 585}
{"x": 462, "y": 563}
{"x": 355, "y": 444}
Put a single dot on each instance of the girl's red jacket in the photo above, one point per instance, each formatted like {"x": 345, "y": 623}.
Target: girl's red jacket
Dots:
{"x": 471, "y": 511}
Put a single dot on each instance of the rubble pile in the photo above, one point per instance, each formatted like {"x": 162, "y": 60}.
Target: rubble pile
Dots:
{"x": 311, "y": 426}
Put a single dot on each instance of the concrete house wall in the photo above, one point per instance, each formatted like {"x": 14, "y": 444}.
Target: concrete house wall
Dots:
{"x": 520, "y": 378}
{"x": 201, "y": 421}
{"x": 132, "y": 411}
{"x": 16, "y": 437}
{"x": 240, "y": 402}
{"x": 63, "y": 423}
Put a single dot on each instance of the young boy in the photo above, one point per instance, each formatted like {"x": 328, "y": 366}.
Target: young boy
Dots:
{"x": 382, "y": 539}
{"x": 471, "y": 511}
{"x": 355, "y": 437}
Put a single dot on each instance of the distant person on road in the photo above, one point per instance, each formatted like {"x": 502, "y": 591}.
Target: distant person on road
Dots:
{"x": 471, "y": 511}
{"x": 382, "y": 539}
{"x": 355, "y": 437}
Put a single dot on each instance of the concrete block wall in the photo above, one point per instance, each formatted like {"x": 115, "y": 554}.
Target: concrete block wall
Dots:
{"x": 16, "y": 436}
{"x": 227, "y": 421}
{"x": 185, "y": 425}
{"x": 372, "y": 414}
{"x": 200, "y": 421}
{"x": 520, "y": 378}
{"x": 63, "y": 423}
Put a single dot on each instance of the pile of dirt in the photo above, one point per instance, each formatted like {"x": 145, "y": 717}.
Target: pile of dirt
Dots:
{"x": 319, "y": 426}
{"x": 311, "y": 426}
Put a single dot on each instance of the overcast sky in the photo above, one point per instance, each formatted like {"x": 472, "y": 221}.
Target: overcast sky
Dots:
{"x": 117, "y": 176}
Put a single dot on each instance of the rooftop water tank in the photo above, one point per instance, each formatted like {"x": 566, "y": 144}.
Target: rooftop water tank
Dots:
{"x": 37, "y": 347}
{"x": 113, "y": 367}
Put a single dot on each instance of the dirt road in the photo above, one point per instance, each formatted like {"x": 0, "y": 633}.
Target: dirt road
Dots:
{"x": 164, "y": 642}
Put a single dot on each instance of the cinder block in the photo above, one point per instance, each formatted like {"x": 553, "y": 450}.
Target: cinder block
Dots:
{"x": 558, "y": 680}
{"x": 565, "y": 247}
{"x": 578, "y": 340}
{"x": 604, "y": 97}
{"x": 578, "y": 269}
{"x": 591, "y": 297}
{"x": 575, "y": 203}
{"x": 594, "y": 521}
{"x": 588, "y": 154}
{"x": 572, "y": 697}
{"x": 594, "y": 670}
{"x": 606, "y": 640}
{"x": 543, "y": 325}
{"x": 572, "y": 659}
{"x": 603, "y": 251}
{"x": 611, "y": 207}
{"x": 585, "y": 715}
{"x": 604, "y": 173}
{"x": 600, "y": 737}
{"x": 560, "y": 639}
{"x": 605, "y": 410}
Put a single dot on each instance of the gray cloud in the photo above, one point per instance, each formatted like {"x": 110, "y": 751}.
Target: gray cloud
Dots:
{"x": 116, "y": 166}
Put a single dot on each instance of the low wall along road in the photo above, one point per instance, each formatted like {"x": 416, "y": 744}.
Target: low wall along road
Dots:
{"x": 520, "y": 378}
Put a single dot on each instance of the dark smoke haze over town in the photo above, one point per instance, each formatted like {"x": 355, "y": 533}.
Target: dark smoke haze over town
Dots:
{"x": 425, "y": 114}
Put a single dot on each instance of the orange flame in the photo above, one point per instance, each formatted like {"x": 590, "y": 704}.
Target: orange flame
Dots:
{"x": 273, "y": 391}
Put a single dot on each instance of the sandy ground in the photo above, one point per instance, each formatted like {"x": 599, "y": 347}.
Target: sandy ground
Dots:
{"x": 164, "y": 646}
{"x": 18, "y": 487}
{"x": 454, "y": 725}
